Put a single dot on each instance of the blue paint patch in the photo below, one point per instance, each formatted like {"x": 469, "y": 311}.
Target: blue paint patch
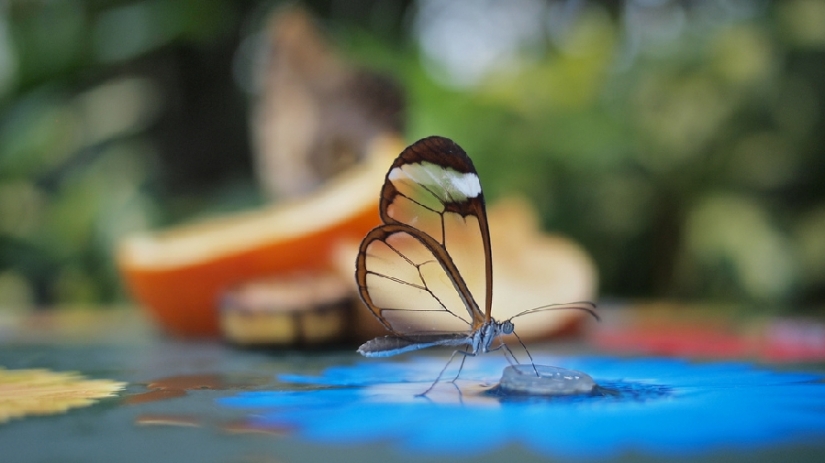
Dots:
{"x": 656, "y": 406}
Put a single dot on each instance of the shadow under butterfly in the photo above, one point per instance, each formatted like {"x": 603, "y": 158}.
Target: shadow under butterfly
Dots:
{"x": 427, "y": 272}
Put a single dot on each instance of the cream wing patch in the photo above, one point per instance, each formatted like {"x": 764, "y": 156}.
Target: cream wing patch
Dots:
{"x": 428, "y": 182}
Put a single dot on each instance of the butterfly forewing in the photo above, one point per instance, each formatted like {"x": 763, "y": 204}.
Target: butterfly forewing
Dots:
{"x": 434, "y": 188}
{"x": 409, "y": 284}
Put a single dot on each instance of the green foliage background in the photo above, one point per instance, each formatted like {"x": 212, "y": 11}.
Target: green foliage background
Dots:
{"x": 691, "y": 170}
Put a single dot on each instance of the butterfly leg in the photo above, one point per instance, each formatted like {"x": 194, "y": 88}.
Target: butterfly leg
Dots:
{"x": 507, "y": 350}
{"x": 463, "y": 359}
{"x": 532, "y": 363}
{"x": 438, "y": 378}
{"x": 511, "y": 358}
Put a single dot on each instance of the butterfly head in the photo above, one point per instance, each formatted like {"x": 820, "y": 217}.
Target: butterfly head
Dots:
{"x": 506, "y": 327}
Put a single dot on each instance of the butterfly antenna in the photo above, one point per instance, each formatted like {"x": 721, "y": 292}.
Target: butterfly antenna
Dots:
{"x": 532, "y": 363}
{"x": 585, "y": 306}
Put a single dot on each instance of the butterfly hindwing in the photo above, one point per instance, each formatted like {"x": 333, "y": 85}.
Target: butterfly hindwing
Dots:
{"x": 432, "y": 256}
{"x": 410, "y": 284}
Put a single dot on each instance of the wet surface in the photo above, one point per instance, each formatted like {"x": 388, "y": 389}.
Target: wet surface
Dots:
{"x": 176, "y": 386}
{"x": 203, "y": 401}
{"x": 668, "y": 408}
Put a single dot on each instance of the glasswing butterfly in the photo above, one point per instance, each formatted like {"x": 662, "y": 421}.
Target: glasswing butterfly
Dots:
{"x": 426, "y": 273}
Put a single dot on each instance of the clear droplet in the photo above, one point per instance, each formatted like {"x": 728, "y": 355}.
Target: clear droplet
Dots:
{"x": 522, "y": 379}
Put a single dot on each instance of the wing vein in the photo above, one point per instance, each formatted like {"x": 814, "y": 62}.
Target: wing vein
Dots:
{"x": 397, "y": 280}
{"x": 418, "y": 203}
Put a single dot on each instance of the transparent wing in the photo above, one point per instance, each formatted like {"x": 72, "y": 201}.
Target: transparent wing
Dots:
{"x": 411, "y": 284}
{"x": 433, "y": 187}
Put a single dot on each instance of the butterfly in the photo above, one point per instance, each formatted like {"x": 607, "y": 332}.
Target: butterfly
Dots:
{"x": 426, "y": 273}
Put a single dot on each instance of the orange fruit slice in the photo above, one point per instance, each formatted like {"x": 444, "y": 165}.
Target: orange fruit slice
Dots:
{"x": 179, "y": 274}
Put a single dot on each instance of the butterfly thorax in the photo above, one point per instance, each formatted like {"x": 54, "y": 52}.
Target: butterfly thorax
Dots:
{"x": 483, "y": 337}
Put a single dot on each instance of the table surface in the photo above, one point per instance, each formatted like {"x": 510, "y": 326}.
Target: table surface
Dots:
{"x": 196, "y": 401}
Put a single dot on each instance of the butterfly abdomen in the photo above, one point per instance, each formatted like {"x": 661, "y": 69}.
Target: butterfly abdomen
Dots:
{"x": 387, "y": 346}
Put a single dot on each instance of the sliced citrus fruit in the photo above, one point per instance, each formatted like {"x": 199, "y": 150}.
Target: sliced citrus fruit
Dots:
{"x": 534, "y": 268}
{"x": 179, "y": 274}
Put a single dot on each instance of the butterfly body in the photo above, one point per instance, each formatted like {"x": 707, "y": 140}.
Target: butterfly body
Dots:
{"x": 479, "y": 341}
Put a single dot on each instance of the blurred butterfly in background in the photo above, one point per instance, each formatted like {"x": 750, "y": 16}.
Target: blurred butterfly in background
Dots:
{"x": 427, "y": 272}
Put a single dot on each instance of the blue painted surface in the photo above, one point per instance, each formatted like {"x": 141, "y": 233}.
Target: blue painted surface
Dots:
{"x": 655, "y": 406}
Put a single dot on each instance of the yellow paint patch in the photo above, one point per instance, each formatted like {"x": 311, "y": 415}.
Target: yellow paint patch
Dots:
{"x": 43, "y": 392}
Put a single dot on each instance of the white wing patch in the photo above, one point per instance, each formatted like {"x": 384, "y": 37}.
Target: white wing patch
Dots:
{"x": 467, "y": 184}
{"x": 447, "y": 185}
